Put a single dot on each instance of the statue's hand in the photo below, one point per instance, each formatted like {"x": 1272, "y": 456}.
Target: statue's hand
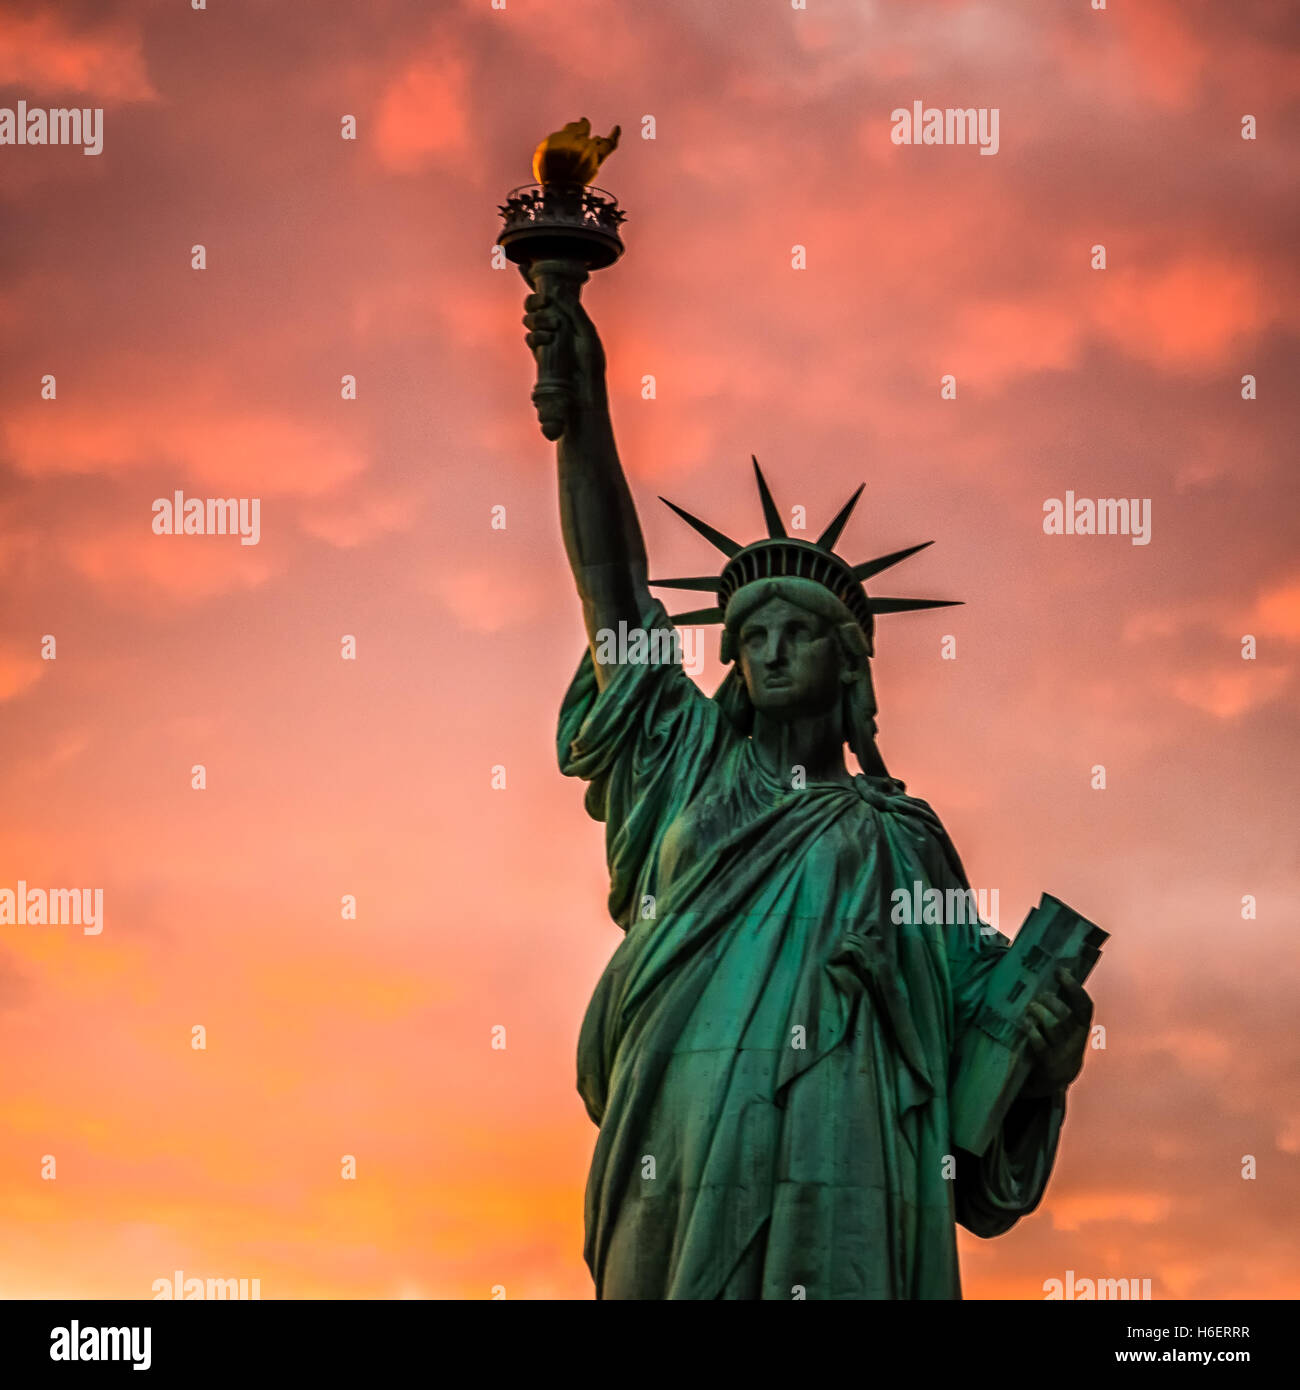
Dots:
{"x": 1056, "y": 1026}
{"x": 560, "y": 320}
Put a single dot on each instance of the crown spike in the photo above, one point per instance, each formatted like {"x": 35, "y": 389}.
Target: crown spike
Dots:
{"x": 910, "y": 605}
{"x": 698, "y": 615}
{"x": 827, "y": 539}
{"x": 775, "y": 527}
{"x": 709, "y": 584}
{"x": 869, "y": 567}
{"x": 716, "y": 538}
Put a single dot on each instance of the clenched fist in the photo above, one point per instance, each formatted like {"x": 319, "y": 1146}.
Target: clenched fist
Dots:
{"x": 565, "y": 343}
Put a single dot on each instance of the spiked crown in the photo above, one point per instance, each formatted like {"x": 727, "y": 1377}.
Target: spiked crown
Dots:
{"x": 780, "y": 556}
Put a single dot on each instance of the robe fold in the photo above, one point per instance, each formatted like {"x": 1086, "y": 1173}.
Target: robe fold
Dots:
{"x": 767, "y": 1054}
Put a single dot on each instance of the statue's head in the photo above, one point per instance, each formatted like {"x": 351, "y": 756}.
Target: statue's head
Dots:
{"x": 799, "y": 623}
{"x": 795, "y": 653}
{"x": 798, "y": 651}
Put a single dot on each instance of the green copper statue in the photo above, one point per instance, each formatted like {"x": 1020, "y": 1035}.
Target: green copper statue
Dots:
{"x": 771, "y": 1051}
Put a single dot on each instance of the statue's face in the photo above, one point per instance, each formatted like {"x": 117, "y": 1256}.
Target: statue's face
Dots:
{"x": 791, "y": 661}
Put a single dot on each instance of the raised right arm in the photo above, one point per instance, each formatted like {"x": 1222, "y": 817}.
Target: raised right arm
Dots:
{"x": 602, "y": 535}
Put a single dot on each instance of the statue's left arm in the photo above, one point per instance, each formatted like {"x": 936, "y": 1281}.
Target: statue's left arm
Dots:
{"x": 1057, "y": 1026}
{"x": 995, "y": 1189}
{"x": 1007, "y": 1181}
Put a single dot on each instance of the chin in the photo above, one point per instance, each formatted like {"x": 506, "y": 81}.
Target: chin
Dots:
{"x": 781, "y": 704}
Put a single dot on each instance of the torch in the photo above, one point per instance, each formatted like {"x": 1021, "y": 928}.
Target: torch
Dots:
{"x": 557, "y": 231}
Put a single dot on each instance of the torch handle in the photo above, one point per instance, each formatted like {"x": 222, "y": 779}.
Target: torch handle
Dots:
{"x": 560, "y": 281}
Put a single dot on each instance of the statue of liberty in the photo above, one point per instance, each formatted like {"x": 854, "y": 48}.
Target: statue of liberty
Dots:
{"x": 769, "y": 1054}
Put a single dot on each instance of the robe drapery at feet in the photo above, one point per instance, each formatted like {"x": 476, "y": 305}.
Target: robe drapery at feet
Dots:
{"x": 767, "y": 1053}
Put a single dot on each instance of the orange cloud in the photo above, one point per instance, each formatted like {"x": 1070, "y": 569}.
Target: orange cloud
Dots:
{"x": 486, "y": 597}
{"x": 1078, "y": 1208}
{"x": 1170, "y": 57}
{"x": 121, "y": 559}
{"x": 1277, "y": 613}
{"x": 236, "y": 451}
{"x": 1187, "y": 314}
{"x": 350, "y": 524}
{"x": 1227, "y": 694}
{"x": 18, "y": 671}
{"x": 424, "y": 116}
{"x": 43, "y": 52}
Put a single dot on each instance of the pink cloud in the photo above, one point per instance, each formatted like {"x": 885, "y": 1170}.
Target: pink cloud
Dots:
{"x": 486, "y": 598}
{"x": 19, "y": 671}
{"x": 1188, "y": 313}
{"x": 347, "y": 524}
{"x": 1107, "y": 1204}
{"x": 1228, "y": 693}
{"x": 45, "y": 53}
{"x": 1277, "y": 613}
{"x": 423, "y": 115}
{"x": 232, "y": 448}
{"x": 130, "y": 563}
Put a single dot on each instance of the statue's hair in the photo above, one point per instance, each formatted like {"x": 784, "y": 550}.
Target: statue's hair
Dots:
{"x": 858, "y": 708}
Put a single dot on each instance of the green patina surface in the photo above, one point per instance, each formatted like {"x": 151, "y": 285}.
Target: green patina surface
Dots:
{"x": 768, "y": 1053}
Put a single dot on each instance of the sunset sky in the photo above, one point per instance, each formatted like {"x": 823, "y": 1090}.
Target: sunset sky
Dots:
{"x": 480, "y": 907}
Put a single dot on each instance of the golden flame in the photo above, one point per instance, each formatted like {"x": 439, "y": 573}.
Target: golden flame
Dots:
{"x": 572, "y": 155}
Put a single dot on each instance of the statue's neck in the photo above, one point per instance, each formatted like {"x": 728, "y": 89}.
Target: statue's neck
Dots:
{"x": 813, "y": 742}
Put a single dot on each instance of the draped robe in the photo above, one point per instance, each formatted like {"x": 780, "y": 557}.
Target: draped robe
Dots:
{"x": 767, "y": 1054}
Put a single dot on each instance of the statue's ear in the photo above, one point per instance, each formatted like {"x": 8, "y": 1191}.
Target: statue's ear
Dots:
{"x": 854, "y": 641}
{"x": 728, "y": 652}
